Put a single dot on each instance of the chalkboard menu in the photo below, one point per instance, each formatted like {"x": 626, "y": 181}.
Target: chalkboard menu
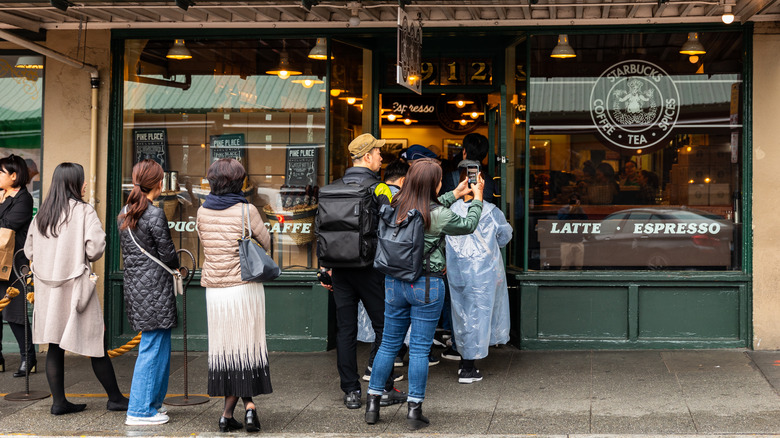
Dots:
{"x": 301, "y": 166}
{"x": 228, "y": 146}
{"x": 151, "y": 144}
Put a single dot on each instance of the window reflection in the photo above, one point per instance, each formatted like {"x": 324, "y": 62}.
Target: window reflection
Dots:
{"x": 223, "y": 103}
{"x": 645, "y": 143}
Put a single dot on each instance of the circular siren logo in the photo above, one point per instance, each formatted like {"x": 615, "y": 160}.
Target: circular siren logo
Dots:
{"x": 634, "y": 104}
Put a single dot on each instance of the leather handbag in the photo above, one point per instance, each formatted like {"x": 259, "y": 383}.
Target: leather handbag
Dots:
{"x": 7, "y": 242}
{"x": 256, "y": 264}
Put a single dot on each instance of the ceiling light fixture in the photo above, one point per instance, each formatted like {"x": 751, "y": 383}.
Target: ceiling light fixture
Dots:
{"x": 179, "y": 51}
{"x": 563, "y": 49}
{"x": 320, "y": 50}
{"x": 474, "y": 114}
{"x": 30, "y": 62}
{"x": 283, "y": 69}
{"x": 728, "y": 14}
{"x": 692, "y": 46}
{"x": 460, "y": 101}
{"x": 354, "y": 20}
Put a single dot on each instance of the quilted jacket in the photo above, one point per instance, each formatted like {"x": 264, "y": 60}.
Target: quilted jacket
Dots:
{"x": 150, "y": 301}
{"x": 219, "y": 231}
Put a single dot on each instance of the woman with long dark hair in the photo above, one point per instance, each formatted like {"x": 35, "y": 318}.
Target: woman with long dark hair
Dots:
{"x": 64, "y": 238}
{"x": 16, "y": 211}
{"x": 150, "y": 301}
{"x": 409, "y": 303}
{"x": 235, "y": 309}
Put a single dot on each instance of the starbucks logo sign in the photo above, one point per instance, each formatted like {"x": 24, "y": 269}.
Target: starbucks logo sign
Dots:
{"x": 634, "y": 105}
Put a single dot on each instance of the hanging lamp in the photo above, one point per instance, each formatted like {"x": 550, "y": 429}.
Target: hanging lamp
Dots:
{"x": 320, "y": 50}
{"x": 283, "y": 69}
{"x": 30, "y": 62}
{"x": 179, "y": 51}
{"x": 563, "y": 49}
{"x": 693, "y": 45}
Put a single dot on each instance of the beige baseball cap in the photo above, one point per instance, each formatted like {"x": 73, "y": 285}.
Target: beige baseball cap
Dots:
{"x": 363, "y": 143}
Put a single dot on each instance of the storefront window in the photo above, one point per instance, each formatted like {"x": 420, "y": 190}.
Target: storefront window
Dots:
{"x": 259, "y": 101}
{"x": 21, "y": 88}
{"x": 634, "y": 150}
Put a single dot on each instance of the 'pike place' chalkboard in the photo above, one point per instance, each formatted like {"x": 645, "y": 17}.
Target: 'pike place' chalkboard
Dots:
{"x": 228, "y": 146}
{"x": 151, "y": 144}
{"x": 301, "y": 166}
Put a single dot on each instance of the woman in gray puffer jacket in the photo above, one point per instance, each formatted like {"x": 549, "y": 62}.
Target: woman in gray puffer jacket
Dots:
{"x": 149, "y": 296}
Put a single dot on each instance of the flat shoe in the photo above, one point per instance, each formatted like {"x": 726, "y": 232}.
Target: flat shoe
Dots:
{"x": 67, "y": 408}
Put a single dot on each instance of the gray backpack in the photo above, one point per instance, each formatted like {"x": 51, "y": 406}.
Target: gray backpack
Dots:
{"x": 400, "y": 250}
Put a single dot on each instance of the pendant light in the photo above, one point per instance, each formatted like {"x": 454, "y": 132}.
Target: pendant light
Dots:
{"x": 283, "y": 69}
{"x": 179, "y": 51}
{"x": 563, "y": 49}
{"x": 30, "y": 62}
{"x": 308, "y": 82}
{"x": 728, "y": 14}
{"x": 460, "y": 101}
{"x": 320, "y": 50}
{"x": 692, "y": 46}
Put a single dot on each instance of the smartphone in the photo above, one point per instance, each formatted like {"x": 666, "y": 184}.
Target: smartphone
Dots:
{"x": 472, "y": 172}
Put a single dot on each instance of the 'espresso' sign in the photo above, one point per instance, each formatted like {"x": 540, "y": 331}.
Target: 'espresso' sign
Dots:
{"x": 634, "y": 105}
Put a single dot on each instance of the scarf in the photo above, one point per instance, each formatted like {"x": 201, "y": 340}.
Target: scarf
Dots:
{"x": 223, "y": 202}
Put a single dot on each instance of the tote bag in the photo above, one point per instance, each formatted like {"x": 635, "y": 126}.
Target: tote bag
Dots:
{"x": 256, "y": 264}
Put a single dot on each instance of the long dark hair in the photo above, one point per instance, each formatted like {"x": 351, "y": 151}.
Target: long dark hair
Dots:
{"x": 66, "y": 184}
{"x": 147, "y": 174}
{"x": 419, "y": 190}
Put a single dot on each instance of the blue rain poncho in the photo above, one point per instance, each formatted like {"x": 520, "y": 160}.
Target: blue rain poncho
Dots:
{"x": 478, "y": 289}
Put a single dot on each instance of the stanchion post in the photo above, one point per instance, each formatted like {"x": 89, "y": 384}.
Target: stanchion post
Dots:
{"x": 27, "y": 395}
{"x": 186, "y": 400}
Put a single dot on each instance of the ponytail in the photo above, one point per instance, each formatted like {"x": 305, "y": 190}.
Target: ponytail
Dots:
{"x": 147, "y": 174}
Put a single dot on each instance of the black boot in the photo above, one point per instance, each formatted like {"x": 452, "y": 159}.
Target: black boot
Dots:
{"x": 372, "y": 408}
{"x": 24, "y": 366}
{"x": 414, "y": 417}
{"x": 2, "y": 363}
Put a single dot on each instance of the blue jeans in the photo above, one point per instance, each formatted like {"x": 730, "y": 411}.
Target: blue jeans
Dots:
{"x": 405, "y": 305}
{"x": 150, "y": 377}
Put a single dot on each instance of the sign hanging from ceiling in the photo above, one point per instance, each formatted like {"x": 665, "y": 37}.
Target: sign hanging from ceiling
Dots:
{"x": 409, "y": 52}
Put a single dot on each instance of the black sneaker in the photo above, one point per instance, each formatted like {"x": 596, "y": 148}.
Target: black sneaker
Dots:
{"x": 398, "y": 362}
{"x": 469, "y": 376}
{"x": 432, "y": 360}
{"x": 450, "y": 354}
{"x": 367, "y": 376}
{"x": 438, "y": 339}
{"x": 352, "y": 400}
{"x": 391, "y": 397}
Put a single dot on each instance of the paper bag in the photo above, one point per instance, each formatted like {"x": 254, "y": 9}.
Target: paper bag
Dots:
{"x": 7, "y": 239}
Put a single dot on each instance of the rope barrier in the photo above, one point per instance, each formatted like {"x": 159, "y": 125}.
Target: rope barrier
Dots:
{"x": 125, "y": 348}
{"x": 11, "y": 292}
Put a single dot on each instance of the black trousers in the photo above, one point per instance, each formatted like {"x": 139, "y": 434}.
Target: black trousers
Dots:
{"x": 351, "y": 285}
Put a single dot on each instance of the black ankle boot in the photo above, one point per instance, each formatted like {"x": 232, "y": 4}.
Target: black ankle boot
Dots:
{"x": 2, "y": 363}
{"x": 414, "y": 417}
{"x": 22, "y": 371}
{"x": 372, "y": 408}
{"x": 251, "y": 421}
{"x": 228, "y": 424}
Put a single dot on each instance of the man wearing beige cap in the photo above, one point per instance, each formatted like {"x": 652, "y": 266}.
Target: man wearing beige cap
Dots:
{"x": 354, "y": 279}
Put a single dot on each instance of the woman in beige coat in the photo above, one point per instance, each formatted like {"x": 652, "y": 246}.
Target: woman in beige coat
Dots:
{"x": 238, "y": 357}
{"x": 64, "y": 238}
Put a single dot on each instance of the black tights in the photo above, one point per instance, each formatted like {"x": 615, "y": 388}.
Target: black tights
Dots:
{"x": 55, "y": 374}
{"x": 230, "y": 405}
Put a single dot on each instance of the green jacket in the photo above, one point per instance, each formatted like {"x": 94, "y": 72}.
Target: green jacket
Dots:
{"x": 446, "y": 223}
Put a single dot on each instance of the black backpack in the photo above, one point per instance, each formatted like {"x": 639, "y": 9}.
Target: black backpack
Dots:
{"x": 400, "y": 251}
{"x": 346, "y": 224}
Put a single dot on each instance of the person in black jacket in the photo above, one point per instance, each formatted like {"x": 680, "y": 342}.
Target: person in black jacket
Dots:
{"x": 16, "y": 211}
{"x": 149, "y": 296}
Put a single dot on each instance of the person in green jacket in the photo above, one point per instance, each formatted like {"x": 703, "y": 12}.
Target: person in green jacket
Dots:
{"x": 405, "y": 302}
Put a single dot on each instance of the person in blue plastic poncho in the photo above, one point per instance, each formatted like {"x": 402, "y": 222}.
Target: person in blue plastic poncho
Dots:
{"x": 480, "y": 300}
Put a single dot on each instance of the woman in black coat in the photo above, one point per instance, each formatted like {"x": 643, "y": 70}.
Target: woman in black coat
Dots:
{"x": 16, "y": 211}
{"x": 149, "y": 296}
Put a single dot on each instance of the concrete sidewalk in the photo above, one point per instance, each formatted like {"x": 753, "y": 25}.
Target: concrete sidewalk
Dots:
{"x": 711, "y": 392}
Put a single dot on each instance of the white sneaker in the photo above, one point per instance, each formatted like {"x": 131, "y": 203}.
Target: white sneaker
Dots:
{"x": 163, "y": 410}
{"x": 160, "y": 418}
